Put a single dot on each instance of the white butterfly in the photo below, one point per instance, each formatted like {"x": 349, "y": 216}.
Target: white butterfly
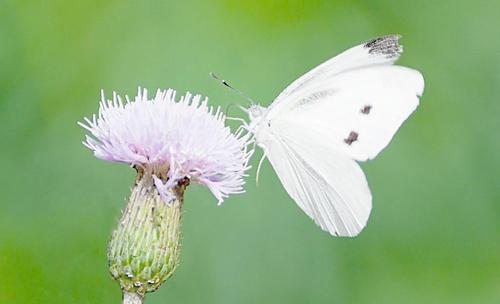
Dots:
{"x": 345, "y": 110}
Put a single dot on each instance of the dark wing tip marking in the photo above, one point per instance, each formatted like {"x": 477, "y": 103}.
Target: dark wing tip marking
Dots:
{"x": 387, "y": 46}
{"x": 366, "y": 109}
{"x": 353, "y": 136}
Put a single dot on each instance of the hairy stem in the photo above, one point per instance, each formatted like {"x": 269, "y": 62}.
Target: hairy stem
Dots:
{"x": 132, "y": 298}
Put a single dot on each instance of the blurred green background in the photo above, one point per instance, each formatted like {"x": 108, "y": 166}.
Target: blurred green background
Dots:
{"x": 433, "y": 236}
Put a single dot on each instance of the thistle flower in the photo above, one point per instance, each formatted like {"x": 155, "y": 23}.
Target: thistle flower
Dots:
{"x": 172, "y": 140}
{"x": 170, "y": 144}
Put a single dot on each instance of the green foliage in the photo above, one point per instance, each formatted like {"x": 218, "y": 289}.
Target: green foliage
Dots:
{"x": 433, "y": 233}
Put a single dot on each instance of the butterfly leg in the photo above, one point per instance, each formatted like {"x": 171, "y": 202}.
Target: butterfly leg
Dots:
{"x": 237, "y": 119}
{"x": 260, "y": 164}
{"x": 244, "y": 125}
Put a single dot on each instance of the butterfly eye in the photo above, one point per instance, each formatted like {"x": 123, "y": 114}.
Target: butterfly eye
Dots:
{"x": 255, "y": 111}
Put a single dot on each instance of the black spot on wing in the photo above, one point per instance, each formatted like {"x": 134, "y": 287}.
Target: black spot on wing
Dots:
{"x": 366, "y": 109}
{"x": 353, "y": 136}
{"x": 387, "y": 46}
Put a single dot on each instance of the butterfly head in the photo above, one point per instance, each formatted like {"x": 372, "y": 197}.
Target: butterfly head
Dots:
{"x": 255, "y": 112}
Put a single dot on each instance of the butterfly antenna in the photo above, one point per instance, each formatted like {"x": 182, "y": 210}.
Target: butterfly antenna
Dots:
{"x": 232, "y": 88}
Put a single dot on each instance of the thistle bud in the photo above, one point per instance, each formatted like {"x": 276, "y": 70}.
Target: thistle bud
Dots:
{"x": 144, "y": 249}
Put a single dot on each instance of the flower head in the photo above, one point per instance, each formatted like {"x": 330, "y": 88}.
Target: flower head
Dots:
{"x": 174, "y": 141}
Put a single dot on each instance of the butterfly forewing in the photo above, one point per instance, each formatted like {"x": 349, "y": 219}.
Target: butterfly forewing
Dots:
{"x": 358, "y": 111}
{"x": 379, "y": 51}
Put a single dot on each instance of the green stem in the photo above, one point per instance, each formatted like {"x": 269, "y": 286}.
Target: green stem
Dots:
{"x": 132, "y": 298}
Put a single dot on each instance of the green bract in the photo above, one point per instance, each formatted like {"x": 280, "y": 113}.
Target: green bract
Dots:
{"x": 144, "y": 250}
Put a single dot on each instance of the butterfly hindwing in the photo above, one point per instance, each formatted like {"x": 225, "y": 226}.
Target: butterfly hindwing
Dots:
{"x": 330, "y": 188}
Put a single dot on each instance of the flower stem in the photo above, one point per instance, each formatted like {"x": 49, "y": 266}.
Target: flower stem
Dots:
{"x": 132, "y": 298}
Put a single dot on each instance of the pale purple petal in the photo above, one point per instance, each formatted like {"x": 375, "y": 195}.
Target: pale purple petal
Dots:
{"x": 187, "y": 136}
{"x": 165, "y": 189}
